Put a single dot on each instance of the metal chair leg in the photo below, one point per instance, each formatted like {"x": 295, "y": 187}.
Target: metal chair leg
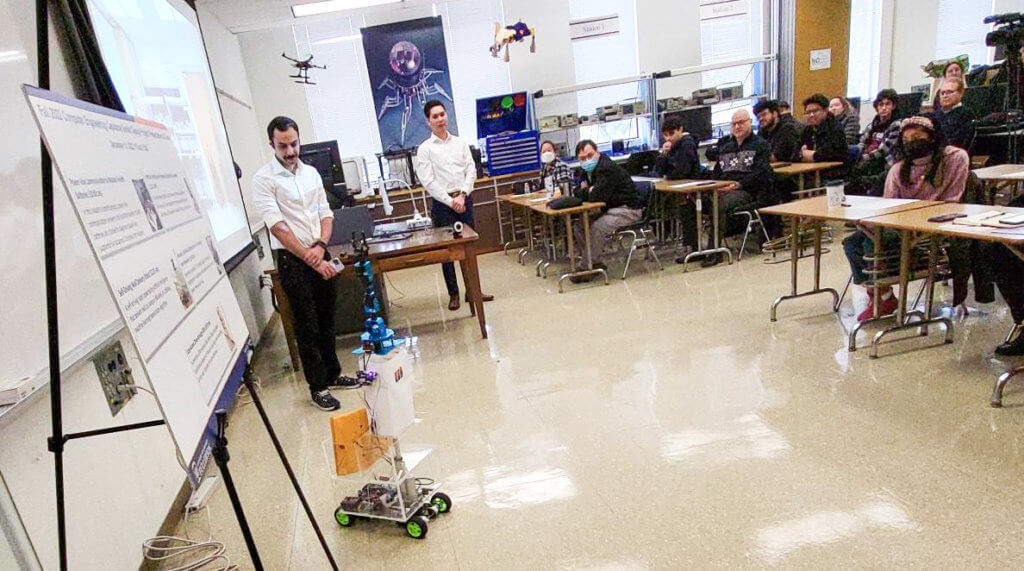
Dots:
{"x": 849, "y": 282}
{"x": 997, "y": 391}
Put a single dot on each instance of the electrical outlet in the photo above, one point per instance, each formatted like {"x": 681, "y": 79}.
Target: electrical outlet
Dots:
{"x": 115, "y": 376}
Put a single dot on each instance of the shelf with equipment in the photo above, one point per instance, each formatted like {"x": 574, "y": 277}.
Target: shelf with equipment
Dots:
{"x": 629, "y": 123}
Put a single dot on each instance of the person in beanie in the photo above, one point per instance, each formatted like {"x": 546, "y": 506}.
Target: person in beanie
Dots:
{"x": 930, "y": 170}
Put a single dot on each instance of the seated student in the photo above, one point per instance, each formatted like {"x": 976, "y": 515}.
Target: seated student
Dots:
{"x": 554, "y": 170}
{"x": 1009, "y": 273}
{"x": 930, "y": 170}
{"x": 956, "y": 120}
{"x": 847, "y": 117}
{"x": 745, "y": 159}
{"x": 877, "y": 147}
{"x": 782, "y": 132}
{"x": 678, "y": 158}
{"x": 823, "y": 139}
{"x": 604, "y": 181}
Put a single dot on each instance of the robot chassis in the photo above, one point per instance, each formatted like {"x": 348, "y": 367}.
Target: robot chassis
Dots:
{"x": 408, "y": 501}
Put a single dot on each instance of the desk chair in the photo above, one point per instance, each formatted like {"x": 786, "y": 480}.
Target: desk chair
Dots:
{"x": 641, "y": 234}
{"x": 782, "y": 244}
{"x": 753, "y": 223}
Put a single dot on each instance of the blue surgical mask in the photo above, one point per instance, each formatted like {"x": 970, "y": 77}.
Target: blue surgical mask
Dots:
{"x": 588, "y": 165}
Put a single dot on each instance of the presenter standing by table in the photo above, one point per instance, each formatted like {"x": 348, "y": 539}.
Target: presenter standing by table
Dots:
{"x": 446, "y": 169}
{"x": 290, "y": 197}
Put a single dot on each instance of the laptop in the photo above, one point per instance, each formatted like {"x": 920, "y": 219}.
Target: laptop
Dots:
{"x": 355, "y": 220}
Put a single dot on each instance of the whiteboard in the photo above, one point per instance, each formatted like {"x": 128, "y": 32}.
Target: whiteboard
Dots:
{"x": 86, "y": 311}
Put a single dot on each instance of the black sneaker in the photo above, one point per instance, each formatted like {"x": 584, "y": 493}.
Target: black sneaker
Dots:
{"x": 344, "y": 382}
{"x": 325, "y": 401}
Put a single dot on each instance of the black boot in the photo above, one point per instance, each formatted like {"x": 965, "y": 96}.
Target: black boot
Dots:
{"x": 1012, "y": 348}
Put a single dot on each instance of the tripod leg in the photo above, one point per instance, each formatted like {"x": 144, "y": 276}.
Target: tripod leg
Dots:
{"x": 247, "y": 379}
{"x": 221, "y": 457}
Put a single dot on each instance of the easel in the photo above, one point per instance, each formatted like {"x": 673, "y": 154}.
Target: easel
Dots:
{"x": 56, "y": 442}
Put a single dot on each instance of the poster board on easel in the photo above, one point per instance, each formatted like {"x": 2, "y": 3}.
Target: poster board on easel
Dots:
{"x": 155, "y": 250}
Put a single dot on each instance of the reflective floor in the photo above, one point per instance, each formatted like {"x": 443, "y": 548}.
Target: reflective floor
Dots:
{"x": 662, "y": 422}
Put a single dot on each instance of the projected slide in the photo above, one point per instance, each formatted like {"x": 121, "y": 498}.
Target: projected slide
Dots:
{"x": 156, "y": 59}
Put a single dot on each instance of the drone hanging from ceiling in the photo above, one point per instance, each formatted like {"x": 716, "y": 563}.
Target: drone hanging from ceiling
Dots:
{"x": 517, "y": 32}
{"x": 303, "y": 66}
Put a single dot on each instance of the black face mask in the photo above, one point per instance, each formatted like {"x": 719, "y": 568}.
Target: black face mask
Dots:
{"x": 918, "y": 148}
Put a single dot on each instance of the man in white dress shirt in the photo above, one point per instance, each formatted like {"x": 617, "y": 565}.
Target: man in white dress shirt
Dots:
{"x": 446, "y": 169}
{"x": 290, "y": 197}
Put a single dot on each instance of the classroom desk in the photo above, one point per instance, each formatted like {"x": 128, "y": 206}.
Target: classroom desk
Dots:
{"x": 698, "y": 188}
{"x": 522, "y": 202}
{"x": 801, "y": 170}
{"x": 917, "y": 222}
{"x": 1001, "y": 175}
{"x": 816, "y": 208}
{"x": 584, "y": 211}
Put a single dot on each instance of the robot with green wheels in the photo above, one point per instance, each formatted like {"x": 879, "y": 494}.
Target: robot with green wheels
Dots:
{"x": 389, "y": 491}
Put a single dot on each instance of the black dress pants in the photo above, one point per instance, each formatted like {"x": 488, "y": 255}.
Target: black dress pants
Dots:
{"x": 1009, "y": 270}
{"x": 442, "y": 215}
{"x": 312, "y": 300}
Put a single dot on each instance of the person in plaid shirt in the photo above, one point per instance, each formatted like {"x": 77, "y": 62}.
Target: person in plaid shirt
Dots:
{"x": 554, "y": 168}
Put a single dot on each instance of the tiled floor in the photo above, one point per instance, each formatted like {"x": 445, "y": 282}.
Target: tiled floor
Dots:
{"x": 661, "y": 422}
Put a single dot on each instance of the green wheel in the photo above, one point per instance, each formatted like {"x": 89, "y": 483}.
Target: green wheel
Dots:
{"x": 416, "y": 527}
{"x": 343, "y": 519}
{"x": 442, "y": 502}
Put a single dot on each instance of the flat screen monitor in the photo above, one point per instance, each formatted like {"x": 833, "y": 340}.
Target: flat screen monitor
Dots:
{"x": 501, "y": 114}
{"x": 984, "y": 99}
{"x": 696, "y": 121}
{"x": 909, "y": 104}
{"x": 326, "y": 159}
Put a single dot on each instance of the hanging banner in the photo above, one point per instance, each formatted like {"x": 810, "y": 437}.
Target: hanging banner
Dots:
{"x": 408, "y": 66}
{"x": 156, "y": 252}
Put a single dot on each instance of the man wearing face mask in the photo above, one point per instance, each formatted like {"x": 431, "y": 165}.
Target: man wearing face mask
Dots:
{"x": 555, "y": 172}
{"x": 609, "y": 183}
{"x": 930, "y": 170}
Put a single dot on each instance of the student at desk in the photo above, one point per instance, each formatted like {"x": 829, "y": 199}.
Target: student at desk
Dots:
{"x": 554, "y": 172}
{"x": 745, "y": 159}
{"x": 823, "y": 139}
{"x": 678, "y": 161}
{"x": 931, "y": 170}
{"x": 609, "y": 183}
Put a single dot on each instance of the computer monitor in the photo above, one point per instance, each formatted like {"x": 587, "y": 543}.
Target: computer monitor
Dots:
{"x": 501, "y": 114}
{"x": 696, "y": 121}
{"x": 984, "y": 99}
{"x": 326, "y": 159}
{"x": 348, "y": 222}
{"x": 909, "y": 104}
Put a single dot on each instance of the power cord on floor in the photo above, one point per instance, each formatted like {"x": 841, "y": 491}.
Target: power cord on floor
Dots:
{"x": 242, "y": 397}
{"x": 165, "y": 548}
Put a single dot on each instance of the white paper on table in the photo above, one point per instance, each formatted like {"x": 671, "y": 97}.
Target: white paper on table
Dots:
{"x": 693, "y": 184}
{"x": 875, "y": 203}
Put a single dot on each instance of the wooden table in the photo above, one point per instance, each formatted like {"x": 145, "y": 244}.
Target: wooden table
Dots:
{"x": 801, "y": 170}
{"x": 421, "y": 248}
{"x": 523, "y": 202}
{"x": 917, "y": 222}
{"x": 698, "y": 188}
{"x": 859, "y": 208}
{"x": 584, "y": 211}
{"x": 1001, "y": 176}
{"x": 427, "y": 247}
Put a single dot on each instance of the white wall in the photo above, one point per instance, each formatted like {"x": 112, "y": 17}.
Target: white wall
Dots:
{"x": 273, "y": 93}
{"x": 913, "y": 42}
{"x": 669, "y": 38}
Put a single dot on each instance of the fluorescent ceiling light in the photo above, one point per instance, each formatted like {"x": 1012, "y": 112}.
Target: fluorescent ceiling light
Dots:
{"x": 337, "y": 40}
{"x": 300, "y": 10}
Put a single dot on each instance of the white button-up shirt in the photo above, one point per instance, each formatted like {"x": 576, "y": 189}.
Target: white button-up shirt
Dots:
{"x": 297, "y": 199}
{"x": 445, "y": 166}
